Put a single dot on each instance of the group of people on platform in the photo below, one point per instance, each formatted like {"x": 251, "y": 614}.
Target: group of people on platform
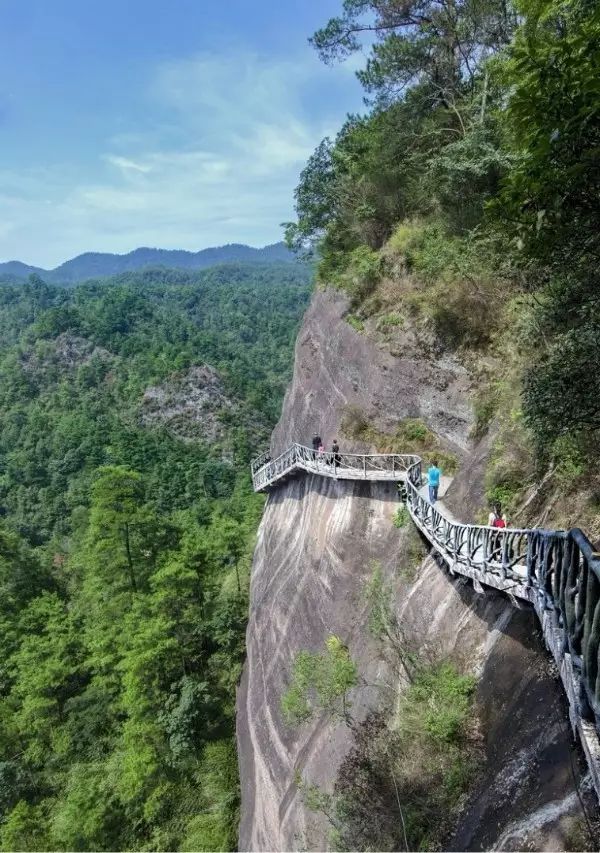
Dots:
{"x": 332, "y": 458}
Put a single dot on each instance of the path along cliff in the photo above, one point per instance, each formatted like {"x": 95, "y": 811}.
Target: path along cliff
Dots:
{"x": 317, "y": 544}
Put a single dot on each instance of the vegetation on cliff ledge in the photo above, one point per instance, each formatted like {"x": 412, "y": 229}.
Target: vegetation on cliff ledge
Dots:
{"x": 467, "y": 199}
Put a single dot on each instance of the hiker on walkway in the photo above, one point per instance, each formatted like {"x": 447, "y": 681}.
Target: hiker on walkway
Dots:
{"x": 499, "y": 551}
{"x": 433, "y": 481}
{"x": 496, "y": 518}
{"x": 335, "y": 452}
{"x": 316, "y": 443}
{"x": 321, "y": 452}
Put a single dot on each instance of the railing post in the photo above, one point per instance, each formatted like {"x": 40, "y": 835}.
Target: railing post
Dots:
{"x": 365, "y": 467}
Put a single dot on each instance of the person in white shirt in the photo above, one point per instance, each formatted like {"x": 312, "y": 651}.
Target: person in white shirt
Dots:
{"x": 496, "y": 517}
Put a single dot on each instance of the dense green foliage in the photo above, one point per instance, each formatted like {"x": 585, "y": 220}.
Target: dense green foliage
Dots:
{"x": 478, "y": 166}
{"x": 399, "y": 786}
{"x": 320, "y": 681}
{"x": 124, "y": 553}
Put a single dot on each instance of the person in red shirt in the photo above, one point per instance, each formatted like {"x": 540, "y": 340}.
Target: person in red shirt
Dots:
{"x": 496, "y": 517}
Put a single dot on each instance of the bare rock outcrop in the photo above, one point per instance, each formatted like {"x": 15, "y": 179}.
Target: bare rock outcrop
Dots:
{"x": 191, "y": 405}
{"x": 65, "y": 352}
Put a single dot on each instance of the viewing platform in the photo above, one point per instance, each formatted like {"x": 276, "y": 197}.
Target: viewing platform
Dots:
{"x": 339, "y": 466}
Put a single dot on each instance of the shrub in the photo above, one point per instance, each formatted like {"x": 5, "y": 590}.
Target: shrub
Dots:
{"x": 384, "y": 624}
{"x": 416, "y": 430}
{"x": 401, "y": 517}
{"x": 437, "y": 704}
{"x": 405, "y": 238}
{"x": 415, "y": 773}
{"x": 571, "y": 461}
{"x": 456, "y": 282}
{"x": 390, "y": 320}
{"x": 413, "y": 552}
{"x": 412, "y": 435}
{"x": 355, "y": 322}
{"x": 362, "y": 269}
{"x": 378, "y": 596}
{"x": 510, "y": 466}
{"x": 484, "y": 408}
{"x": 354, "y": 422}
{"x": 319, "y": 682}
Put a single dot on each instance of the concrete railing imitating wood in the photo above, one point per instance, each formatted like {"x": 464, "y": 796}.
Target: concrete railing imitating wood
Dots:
{"x": 555, "y": 571}
{"x": 341, "y": 466}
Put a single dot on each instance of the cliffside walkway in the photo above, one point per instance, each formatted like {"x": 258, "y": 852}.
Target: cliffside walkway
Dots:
{"x": 555, "y": 571}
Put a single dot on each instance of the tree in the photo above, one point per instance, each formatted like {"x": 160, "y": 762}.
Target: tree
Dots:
{"x": 550, "y": 206}
{"x": 315, "y": 199}
{"x": 439, "y": 43}
{"x": 320, "y": 682}
{"x": 118, "y": 528}
{"x": 46, "y": 670}
{"x": 552, "y": 196}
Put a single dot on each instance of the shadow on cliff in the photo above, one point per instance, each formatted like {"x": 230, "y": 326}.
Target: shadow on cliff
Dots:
{"x": 322, "y": 486}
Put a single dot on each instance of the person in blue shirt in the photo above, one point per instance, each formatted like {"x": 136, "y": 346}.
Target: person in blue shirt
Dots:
{"x": 433, "y": 480}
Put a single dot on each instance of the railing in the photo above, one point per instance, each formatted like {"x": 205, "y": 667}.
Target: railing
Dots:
{"x": 557, "y": 571}
{"x": 260, "y": 462}
{"x": 355, "y": 466}
{"x": 500, "y": 552}
{"x": 566, "y": 573}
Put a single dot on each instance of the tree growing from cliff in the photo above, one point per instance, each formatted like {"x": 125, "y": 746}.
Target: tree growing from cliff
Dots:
{"x": 320, "y": 682}
{"x": 400, "y": 786}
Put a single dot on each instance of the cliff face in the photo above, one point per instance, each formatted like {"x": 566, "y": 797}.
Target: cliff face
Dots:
{"x": 337, "y": 367}
{"x": 317, "y": 544}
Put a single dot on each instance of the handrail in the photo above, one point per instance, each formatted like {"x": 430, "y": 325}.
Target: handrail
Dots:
{"x": 556, "y": 571}
{"x": 370, "y": 466}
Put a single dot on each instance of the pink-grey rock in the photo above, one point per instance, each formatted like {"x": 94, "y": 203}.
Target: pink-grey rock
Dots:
{"x": 317, "y": 543}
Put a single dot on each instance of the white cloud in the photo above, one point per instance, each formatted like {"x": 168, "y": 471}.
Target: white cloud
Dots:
{"x": 124, "y": 164}
{"x": 219, "y": 164}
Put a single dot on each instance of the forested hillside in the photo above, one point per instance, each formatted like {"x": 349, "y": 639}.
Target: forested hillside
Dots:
{"x": 467, "y": 201}
{"x": 105, "y": 264}
{"x": 124, "y": 546}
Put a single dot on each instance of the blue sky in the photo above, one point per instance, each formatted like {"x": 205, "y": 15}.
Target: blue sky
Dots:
{"x": 127, "y": 123}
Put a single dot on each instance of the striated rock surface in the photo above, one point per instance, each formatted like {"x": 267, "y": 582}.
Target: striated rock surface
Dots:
{"x": 307, "y": 582}
{"x": 316, "y": 546}
{"x": 337, "y": 367}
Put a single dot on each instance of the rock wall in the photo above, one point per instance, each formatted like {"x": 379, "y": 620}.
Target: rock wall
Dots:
{"x": 337, "y": 367}
{"x": 316, "y": 546}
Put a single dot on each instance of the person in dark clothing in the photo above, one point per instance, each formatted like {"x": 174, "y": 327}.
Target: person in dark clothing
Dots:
{"x": 316, "y": 443}
{"x": 335, "y": 453}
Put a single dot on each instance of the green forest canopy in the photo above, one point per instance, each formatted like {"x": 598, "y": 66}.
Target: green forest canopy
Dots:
{"x": 124, "y": 553}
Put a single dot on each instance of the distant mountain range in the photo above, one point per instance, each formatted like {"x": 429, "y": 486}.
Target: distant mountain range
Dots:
{"x": 101, "y": 264}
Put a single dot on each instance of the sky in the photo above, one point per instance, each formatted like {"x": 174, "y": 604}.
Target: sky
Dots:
{"x": 127, "y": 123}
